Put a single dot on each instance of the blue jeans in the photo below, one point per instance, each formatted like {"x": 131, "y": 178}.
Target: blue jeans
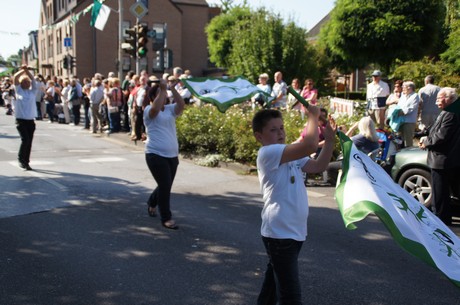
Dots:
{"x": 50, "y": 110}
{"x": 163, "y": 171}
{"x": 76, "y": 113}
{"x": 281, "y": 283}
{"x": 114, "y": 120}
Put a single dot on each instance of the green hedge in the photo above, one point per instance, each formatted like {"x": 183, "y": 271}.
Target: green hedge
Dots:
{"x": 204, "y": 131}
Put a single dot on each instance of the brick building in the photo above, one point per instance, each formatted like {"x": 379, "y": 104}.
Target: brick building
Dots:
{"x": 64, "y": 31}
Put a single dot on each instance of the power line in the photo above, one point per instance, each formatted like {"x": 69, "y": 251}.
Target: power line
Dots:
{"x": 10, "y": 33}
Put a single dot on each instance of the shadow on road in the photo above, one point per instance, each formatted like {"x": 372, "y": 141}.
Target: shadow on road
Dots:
{"x": 107, "y": 250}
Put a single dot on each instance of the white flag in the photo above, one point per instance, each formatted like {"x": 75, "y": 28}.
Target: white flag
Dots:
{"x": 223, "y": 92}
{"x": 366, "y": 188}
{"x": 99, "y": 15}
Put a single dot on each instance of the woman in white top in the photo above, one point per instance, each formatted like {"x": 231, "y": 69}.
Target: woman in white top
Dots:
{"x": 161, "y": 147}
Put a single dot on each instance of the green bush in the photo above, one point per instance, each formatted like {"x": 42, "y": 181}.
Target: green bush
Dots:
{"x": 204, "y": 130}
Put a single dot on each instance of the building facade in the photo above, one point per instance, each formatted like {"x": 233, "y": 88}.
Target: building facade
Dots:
{"x": 69, "y": 46}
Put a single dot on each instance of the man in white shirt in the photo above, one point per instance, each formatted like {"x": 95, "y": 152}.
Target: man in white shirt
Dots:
{"x": 25, "y": 112}
{"x": 140, "y": 95}
{"x": 279, "y": 91}
{"x": 376, "y": 96}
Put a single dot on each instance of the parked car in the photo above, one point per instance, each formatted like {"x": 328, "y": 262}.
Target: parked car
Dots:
{"x": 412, "y": 173}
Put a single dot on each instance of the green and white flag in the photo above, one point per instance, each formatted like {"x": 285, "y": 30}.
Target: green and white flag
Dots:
{"x": 366, "y": 188}
{"x": 223, "y": 92}
{"x": 99, "y": 15}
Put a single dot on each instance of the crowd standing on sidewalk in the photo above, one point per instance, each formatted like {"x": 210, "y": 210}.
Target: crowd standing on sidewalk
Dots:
{"x": 98, "y": 103}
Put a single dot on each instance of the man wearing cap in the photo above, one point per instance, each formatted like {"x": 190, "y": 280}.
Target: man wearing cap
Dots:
{"x": 376, "y": 95}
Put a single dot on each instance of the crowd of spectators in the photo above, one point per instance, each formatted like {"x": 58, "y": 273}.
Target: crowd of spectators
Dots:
{"x": 100, "y": 104}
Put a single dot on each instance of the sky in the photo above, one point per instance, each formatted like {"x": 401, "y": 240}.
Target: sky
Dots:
{"x": 19, "y": 17}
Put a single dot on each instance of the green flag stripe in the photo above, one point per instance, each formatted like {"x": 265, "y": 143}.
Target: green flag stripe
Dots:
{"x": 95, "y": 12}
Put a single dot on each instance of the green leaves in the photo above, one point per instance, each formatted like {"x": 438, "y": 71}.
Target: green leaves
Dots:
{"x": 363, "y": 32}
{"x": 248, "y": 43}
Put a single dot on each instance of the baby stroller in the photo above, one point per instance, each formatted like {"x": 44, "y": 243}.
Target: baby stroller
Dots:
{"x": 389, "y": 143}
{"x": 59, "y": 112}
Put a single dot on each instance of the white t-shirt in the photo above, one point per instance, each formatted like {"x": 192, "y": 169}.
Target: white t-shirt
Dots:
{"x": 161, "y": 132}
{"x": 375, "y": 91}
{"x": 277, "y": 88}
{"x": 285, "y": 211}
{"x": 25, "y": 105}
{"x": 140, "y": 95}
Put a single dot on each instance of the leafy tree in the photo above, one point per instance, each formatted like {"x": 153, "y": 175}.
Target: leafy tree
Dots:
{"x": 361, "y": 32}
{"x": 248, "y": 42}
{"x": 451, "y": 55}
{"x": 452, "y": 11}
{"x": 221, "y": 34}
{"x": 14, "y": 60}
{"x": 418, "y": 70}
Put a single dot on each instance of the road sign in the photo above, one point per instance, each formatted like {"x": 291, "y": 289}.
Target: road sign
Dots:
{"x": 67, "y": 42}
{"x": 138, "y": 9}
{"x": 151, "y": 34}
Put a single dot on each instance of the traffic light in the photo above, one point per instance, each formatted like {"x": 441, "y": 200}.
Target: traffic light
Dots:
{"x": 129, "y": 46}
{"x": 142, "y": 39}
{"x": 72, "y": 61}
{"x": 158, "y": 63}
{"x": 158, "y": 36}
{"x": 168, "y": 59}
{"x": 65, "y": 62}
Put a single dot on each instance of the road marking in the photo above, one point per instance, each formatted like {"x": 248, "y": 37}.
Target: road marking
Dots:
{"x": 33, "y": 163}
{"x": 106, "y": 159}
{"x": 42, "y": 176}
{"x": 49, "y": 180}
{"x": 315, "y": 194}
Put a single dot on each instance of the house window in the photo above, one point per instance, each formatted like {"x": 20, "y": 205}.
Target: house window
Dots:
{"x": 58, "y": 42}
{"x": 50, "y": 46}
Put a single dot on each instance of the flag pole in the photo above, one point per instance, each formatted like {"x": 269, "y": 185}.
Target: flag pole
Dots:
{"x": 304, "y": 102}
{"x": 298, "y": 97}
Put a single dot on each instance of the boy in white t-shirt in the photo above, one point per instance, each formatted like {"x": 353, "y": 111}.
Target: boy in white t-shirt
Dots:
{"x": 285, "y": 211}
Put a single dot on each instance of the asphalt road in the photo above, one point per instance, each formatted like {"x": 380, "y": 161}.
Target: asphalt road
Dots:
{"x": 75, "y": 231}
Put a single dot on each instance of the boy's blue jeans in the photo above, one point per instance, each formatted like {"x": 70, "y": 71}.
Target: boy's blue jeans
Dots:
{"x": 281, "y": 283}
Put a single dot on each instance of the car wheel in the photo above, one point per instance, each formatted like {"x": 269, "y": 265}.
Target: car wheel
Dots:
{"x": 418, "y": 183}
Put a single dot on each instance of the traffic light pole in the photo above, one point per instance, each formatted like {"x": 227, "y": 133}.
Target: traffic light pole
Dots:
{"x": 120, "y": 39}
{"x": 138, "y": 61}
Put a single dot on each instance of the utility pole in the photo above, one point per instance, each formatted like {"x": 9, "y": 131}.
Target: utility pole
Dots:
{"x": 120, "y": 39}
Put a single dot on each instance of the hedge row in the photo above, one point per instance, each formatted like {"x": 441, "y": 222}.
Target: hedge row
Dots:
{"x": 204, "y": 130}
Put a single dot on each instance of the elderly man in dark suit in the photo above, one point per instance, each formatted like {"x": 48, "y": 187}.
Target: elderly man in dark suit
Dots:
{"x": 443, "y": 145}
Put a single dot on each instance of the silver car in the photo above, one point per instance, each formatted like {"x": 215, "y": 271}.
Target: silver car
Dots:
{"x": 412, "y": 173}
